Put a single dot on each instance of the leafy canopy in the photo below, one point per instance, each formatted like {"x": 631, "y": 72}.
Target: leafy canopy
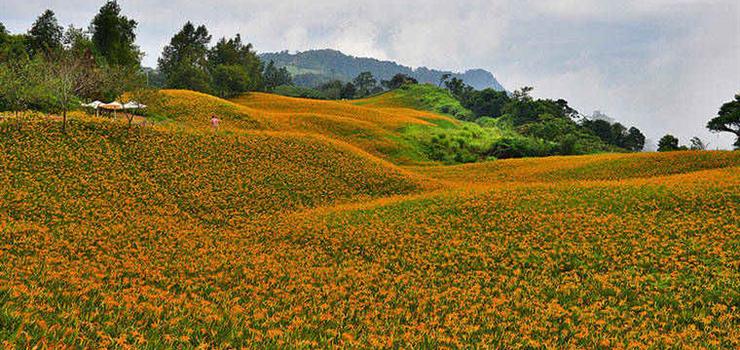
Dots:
{"x": 45, "y": 35}
{"x": 728, "y": 119}
{"x": 113, "y": 35}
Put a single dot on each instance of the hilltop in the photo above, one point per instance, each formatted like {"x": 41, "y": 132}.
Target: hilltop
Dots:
{"x": 313, "y": 67}
{"x": 305, "y": 223}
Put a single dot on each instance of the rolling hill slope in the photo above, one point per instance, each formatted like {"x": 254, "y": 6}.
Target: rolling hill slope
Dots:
{"x": 321, "y": 224}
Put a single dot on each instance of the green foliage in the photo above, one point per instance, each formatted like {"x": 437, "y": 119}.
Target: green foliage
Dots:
{"x": 79, "y": 42}
{"x": 230, "y": 80}
{"x": 697, "y": 144}
{"x": 348, "y": 91}
{"x": 228, "y": 68}
{"x": 397, "y": 81}
{"x": 299, "y": 91}
{"x": 518, "y": 147}
{"x": 114, "y": 37}
{"x": 22, "y": 84}
{"x": 470, "y": 142}
{"x": 728, "y": 120}
{"x": 545, "y": 119}
{"x": 668, "y": 143}
{"x": 336, "y": 90}
{"x": 430, "y": 98}
{"x": 365, "y": 83}
{"x": 45, "y": 35}
{"x": 572, "y": 139}
{"x": 233, "y": 52}
{"x": 13, "y": 47}
{"x": 486, "y": 102}
{"x": 634, "y": 140}
{"x": 184, "y": 63}
{"x": 333, "y": 90}
{"x": 274, "y": 76}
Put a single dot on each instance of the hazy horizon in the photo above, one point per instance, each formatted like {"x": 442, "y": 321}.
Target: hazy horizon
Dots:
{"x": 663, "y": 66}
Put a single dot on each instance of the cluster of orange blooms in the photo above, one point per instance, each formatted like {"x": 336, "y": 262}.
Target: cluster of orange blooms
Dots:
{"x": 271, "y": 233}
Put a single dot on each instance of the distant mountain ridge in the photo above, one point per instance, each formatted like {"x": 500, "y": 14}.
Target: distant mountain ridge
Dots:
{"x": 313, "y": 67}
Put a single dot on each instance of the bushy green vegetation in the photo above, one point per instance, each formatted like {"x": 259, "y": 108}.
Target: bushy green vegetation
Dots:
{"x": 547, "y": 119}
{"x": 424, "y": 97}
{"x": 52, "y": 70}
{"x": 487, "y": 137}
{"x": 299, "y": 91}
{"x": 227, "y": 69}
{"x": 469, "y": 142}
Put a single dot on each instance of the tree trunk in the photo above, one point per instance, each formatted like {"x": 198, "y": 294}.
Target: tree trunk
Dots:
{"x": 64, "y": 121}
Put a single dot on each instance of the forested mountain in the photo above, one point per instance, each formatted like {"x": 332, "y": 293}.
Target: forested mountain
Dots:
{"x": 314, "y": 67}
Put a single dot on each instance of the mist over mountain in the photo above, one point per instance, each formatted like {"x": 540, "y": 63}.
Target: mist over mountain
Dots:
{"x": 313, "y": 67}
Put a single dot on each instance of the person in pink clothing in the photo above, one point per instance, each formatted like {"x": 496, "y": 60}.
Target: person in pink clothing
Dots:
{"x": 214, "y": 122}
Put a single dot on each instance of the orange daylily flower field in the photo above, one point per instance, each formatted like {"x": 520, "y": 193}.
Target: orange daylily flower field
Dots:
{"x": 306, "y": 224}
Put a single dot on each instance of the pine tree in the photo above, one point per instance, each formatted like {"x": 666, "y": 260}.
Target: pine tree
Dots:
{"x": 114, "y": 37}
{"x": 45, "y": 35}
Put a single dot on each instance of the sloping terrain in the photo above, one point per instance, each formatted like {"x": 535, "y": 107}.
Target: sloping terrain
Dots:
{"x": 300, "y": 224}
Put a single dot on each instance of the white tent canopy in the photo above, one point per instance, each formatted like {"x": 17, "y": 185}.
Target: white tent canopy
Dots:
{"x": 93, "y": 104}
{"x": 115, "y": 105}
{"x": 134, "y": 105}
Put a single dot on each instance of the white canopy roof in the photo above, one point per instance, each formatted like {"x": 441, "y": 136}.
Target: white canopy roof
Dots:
{"x": 134, "y": 105}
{"x": 93, "y": 104}
{"x": 112, "y": 105}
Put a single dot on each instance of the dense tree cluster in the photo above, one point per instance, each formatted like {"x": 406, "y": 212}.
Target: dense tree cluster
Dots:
{"x": 668, "y": 143}
{"x": 546, "y": 119}
{"x": 52, "y": 69}
{"x": 229, "y": 68}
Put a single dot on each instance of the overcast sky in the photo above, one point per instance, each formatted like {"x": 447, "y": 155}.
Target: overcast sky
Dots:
{"x": 665, "y": 66}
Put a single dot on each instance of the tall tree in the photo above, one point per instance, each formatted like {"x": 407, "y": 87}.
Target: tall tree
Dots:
{"x": 233, "y": 52}
{"x": 456, "y": 87}
{"x": 348, "y": 91}
{"x": 618, "y": 135}
{"x": 635, "y": 140}
{"x": 68, "y": 77}
{"x": 668, "y": 143}
{"x": 45, "y": 35}
{"x": 184, "y": 63}
{"x": 364, "y": 82}
{"x": 230, "y": 80}
{"x": 274, "y": 77}
{"x": 487, "y": 102}
{"x": 697, "y": 144}
{"x": 444, "y": 78}
{"x": 78, "y": 41}
{"x": 398, "y": 80}
{"x": 114, "y": 37}
{"x": 728, "y": 120}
